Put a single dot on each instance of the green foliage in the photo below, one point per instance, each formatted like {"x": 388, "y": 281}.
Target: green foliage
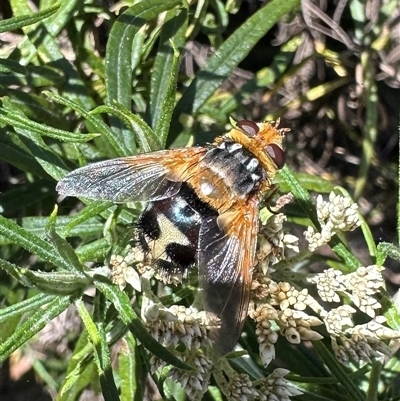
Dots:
{"x": 66, "y": 101}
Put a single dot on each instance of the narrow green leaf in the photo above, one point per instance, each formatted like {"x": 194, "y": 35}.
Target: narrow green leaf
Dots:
{"x": 59, "y": 283}
{"x": 132, "y": 371}
{"x": 309, "y": 182}
{"x": 63, "y": 248}
{"x": 36, "y": 225}
{"x": 281, "y": 62}
{"x": 350, "y": 387}
{"x": 385, "y": 249}
{"x": 94, "y": 120}
{"x": 145, "y": 136}
{"x": 81, "y": 370}
{"x": 34, "y": 143}
{"x": 87, "y": 213}
{"x": 12, "y": 24}
{"x": 221, "y": 64}
{"x": 163, "y": 77}
{"x": 13, "y": 73}
{"x": 341, "y": 250}
{"x": 25, "y": 307}
{"x": 370, "y": 128}
{"x": 67, "y": 11}
{"x": 119, "y": 61}
{"x": 43, "y": 373}
{"x": 96, "y": 251}
{"x": 109, "y": 388}
{"x": 33, "y": 325}
{"x": 40, "y": 43}
{"x": 32, "y": 243}
{"x": 300, "y": 194}
{"x": 37, "y": 108}
{"x": 101, "y": 353}
{"x": 168, "y": 103}
{"x": 44, "y": 155}
{"x": 19, "y": 121}
{"x": 94, "y": 336}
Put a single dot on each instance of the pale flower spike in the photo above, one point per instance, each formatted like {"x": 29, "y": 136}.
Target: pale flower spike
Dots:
{"x": 339, "y": 214}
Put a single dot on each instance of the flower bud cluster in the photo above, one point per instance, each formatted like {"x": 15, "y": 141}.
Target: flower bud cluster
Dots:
{"x": 329, "y": 283}
{"x": 174, "y": 325}
{"x": 241, "y": 388}
{"x": 339, "y": 214}
{"x": 285, "y": 295}
{"x": 364, "y": 342}
{"x": 360, "y": 286}
{"x": 363, "y": 284}
{"x": 337, "y": 320}
{"x": 275, "y": 388}
{"x": 195, "y": 383}
{"x": 273, "y": 241}
{"x": 122, "y": 270}
{"x": 294, "y": 324}
{"x": 264, "y": 315}
{"x": 360, "y": 342}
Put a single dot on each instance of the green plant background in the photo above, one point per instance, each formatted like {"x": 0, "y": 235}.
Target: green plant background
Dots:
{"x": 82, "y": 81}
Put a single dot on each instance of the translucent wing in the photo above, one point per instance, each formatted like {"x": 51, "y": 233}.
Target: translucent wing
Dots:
{"x": 226, "y": 256}
{"x": 149, "y": 176}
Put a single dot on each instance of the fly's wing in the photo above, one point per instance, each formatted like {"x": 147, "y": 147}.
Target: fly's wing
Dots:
{"x": 130, "y": 179}
{"x": 227, "y": 246}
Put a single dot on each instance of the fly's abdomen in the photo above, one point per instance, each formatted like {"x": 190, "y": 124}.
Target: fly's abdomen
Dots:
{"x": 169, "y": 229}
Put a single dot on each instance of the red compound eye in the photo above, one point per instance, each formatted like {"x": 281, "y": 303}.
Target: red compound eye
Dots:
{"x": 248, "y": 127}
{"x": 276, "y": 154}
